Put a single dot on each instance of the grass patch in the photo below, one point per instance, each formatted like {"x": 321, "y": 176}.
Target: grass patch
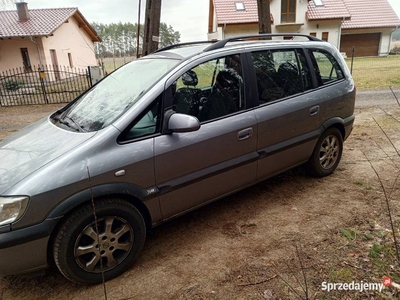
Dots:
{"x": 348, "y": 233}
{"x": 367, "y": 186}
{"x": 110, "y": 64}
{"x": 376, "y": 250}
{"x": 341, "y": 275}
{"x": 376, "y": 72}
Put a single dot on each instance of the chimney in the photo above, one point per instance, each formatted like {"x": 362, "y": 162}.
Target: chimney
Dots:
{"x": 23, "y": 13}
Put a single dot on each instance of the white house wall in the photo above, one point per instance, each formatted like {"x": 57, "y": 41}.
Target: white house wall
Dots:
{"x": 238, "y": 29}
{"x": 70, "y": 38}
{"x": 333, "y": 27}
{"x": 10, "y": 52}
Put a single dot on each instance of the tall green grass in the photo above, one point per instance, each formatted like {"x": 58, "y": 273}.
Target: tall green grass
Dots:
{"x": 372, "y": 73}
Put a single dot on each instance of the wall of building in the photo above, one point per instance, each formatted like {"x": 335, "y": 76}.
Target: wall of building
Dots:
{"x": 333, "y": 27}
{"x": 10, "y": 52}
{"x": 70, "y": 38}
{"x": 301, "y": 25}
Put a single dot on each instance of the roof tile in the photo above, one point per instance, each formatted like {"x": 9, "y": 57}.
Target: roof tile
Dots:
{"x": 227, "y": 13}
{"x": 42, "y": 22}
{"x": 370, "y": 14}
{"x": 332, "y": 9}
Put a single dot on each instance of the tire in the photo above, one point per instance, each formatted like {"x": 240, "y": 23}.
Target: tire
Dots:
{"x": 122, "y": 233}
{"x": 327, "y": 153}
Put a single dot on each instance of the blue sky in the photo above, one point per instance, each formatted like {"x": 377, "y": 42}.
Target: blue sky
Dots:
{"x": 189, "y": 17}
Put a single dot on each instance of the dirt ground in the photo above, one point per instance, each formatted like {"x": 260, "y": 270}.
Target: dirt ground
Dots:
{"x": 281, "y": 239}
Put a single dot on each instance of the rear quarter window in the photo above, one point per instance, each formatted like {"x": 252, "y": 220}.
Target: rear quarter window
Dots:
{"x": 326, "y": 67}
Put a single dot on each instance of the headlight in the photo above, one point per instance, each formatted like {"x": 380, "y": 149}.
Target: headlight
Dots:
{"x": 12, "y": 208}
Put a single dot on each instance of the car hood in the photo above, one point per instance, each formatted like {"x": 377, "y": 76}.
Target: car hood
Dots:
{"x": 32, "y": 148}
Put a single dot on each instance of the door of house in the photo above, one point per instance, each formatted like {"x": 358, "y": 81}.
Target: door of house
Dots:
{"x": 25, "y": 60}
{"x": 54, "y": 62}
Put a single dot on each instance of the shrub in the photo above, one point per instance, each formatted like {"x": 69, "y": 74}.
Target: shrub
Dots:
{"x": 12, "y": 85}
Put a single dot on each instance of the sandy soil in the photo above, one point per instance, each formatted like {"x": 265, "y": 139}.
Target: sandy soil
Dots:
{"x": 280, "y": 239}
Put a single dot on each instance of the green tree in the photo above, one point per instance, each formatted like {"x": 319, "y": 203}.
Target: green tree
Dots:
{"x": 119, "y": 39}
{"x": 168, "y": 36}
{"x": 396, "y": 35}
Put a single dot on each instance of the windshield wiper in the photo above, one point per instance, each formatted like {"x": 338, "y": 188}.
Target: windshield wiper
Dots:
{"x": 68, "y": 124}
{"x": 76, "y": 124}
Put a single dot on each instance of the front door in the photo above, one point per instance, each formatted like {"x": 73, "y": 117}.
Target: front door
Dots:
{"x": 25, "y": 60}
{"x": 54, "y": 61}
{"x": 196, "y": 167}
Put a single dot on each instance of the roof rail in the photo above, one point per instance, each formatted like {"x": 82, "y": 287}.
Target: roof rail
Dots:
{"x": 184, "y": 44}
{"x": 222, "y": 43}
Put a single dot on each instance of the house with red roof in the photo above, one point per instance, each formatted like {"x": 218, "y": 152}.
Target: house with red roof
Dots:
{"x": 39, "y": 37}
{"x": 366, "y": 25}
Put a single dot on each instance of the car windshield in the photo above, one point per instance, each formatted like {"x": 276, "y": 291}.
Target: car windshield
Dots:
{"x": 106, "y": 101}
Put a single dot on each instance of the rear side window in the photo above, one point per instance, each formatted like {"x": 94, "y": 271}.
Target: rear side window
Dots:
{"x": 280, "y": 73}
{"x": 327, "y": 68}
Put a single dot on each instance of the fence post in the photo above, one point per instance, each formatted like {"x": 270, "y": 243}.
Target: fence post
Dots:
{"x": 42, "y": 75}
{"x": 89, "y": 76}
{"x": 352, "y": 60}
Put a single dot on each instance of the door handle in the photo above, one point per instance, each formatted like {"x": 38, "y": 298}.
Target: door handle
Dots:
{"x": 314, "y": 110}
{"x": 245, "y": 134}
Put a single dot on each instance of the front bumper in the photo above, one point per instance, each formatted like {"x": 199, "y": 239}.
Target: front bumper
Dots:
{"x": 25, "y": 250}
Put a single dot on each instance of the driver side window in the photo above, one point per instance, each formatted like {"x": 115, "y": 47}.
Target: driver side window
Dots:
{"x": 211, "y": 90}
{"x": 148, "y": 123}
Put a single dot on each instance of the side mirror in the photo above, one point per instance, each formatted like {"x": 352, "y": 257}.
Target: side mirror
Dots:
{"x": 183, "y": 123}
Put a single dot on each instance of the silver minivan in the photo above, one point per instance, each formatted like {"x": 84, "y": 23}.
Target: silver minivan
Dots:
{"x": 163, "y": 135}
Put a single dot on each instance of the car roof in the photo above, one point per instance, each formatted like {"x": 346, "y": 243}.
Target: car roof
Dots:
{"x": 185, "y": 50}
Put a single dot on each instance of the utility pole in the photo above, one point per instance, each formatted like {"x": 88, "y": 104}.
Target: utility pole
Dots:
{"x": 151, "y": 26}
{"x": 138, "y": 31}
{"x": 264, "y": 16}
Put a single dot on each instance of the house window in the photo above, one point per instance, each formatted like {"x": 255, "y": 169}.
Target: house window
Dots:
{"x": 71, "y": 64}
{"x": 314, "y": 34}
{"x": 239, "y": 6}
{"x": 325, "y": 36}
{"x": 288, "y": 11}
{"x": 318, "y": 3}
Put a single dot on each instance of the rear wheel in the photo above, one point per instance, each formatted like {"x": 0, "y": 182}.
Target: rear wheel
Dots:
{"x": 84, "y": 248}
{"x": 327, "y": 153}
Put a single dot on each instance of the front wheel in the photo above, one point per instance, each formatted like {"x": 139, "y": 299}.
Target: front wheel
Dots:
{"x": 85, "y": 249}
{"x": 327, "y": 153}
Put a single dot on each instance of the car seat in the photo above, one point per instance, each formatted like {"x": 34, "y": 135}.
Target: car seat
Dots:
{"x": 289, "y": 78}
{"x": 225, "y": 97}
{"x": 186, "y": 99}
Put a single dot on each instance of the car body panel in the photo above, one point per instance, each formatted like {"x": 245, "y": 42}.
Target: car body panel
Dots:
{"x": 32, "y": 148}
{"x": 198, "y": 158}
{"x": 165, "y": 173}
